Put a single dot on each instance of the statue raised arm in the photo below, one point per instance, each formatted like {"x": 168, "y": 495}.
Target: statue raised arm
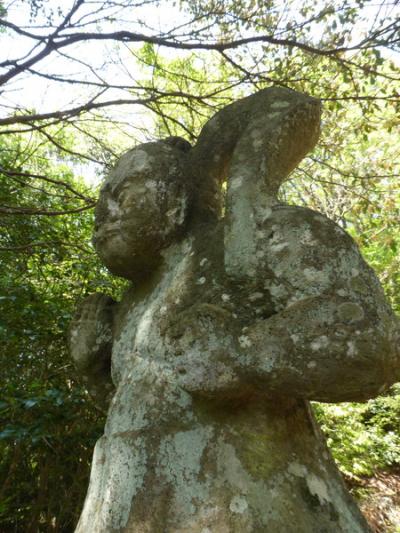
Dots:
{"x": 323, "y": 329}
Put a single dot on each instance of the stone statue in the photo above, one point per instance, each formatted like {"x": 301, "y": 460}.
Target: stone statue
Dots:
{"x": 241, "y": 311}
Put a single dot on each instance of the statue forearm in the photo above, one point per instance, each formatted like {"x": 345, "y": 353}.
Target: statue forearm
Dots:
{"x": 326, "y": 349}
{"x": 278, "y": 135}
{"x": 90, "y": 341}
{"x": 323, "y": 348}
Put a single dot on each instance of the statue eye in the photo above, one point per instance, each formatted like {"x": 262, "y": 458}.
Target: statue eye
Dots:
{"x": 124, "y": 195}
{"x": 106, "y": 188}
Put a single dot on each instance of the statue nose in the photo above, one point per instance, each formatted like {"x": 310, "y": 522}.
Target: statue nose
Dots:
{"x": 113, "y": 209}
{"x": 112, "y": 217}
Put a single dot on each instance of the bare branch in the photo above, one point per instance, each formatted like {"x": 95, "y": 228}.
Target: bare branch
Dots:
{"x": 48, "y": 180}
{"x": 51, "y": 139}
{"x": 69, "y": 15}
{"x": 16, "y": 210}
{"x": 67, "y": 113}
{"x": 353, "y": 176}
{"x": 44, "y": 244}
{"x": 54, "y": 42}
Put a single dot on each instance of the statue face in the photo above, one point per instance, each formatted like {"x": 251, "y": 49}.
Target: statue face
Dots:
{"x": 141, "y": 209}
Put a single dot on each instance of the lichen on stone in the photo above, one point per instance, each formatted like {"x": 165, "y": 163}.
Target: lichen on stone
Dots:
{"x": 240, "y": 311}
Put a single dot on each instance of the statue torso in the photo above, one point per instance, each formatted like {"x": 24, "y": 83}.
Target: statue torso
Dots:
{"x": 256, "y": 461}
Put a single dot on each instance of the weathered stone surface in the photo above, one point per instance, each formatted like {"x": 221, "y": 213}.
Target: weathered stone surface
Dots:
{"x": 142, "y": 208}
{"x": 232, "y": 325}
{"x": 90, "y": 343}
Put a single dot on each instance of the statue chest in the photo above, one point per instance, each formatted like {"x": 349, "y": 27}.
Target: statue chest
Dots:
{"x": 144, "y": 316}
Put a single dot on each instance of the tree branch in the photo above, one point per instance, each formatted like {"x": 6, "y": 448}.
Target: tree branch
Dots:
{"x": 48, "y": 180}
{"x": 13, "y": 210}
{"x": 68, "y": 113}
{"x": 53, "y": 43}
{"x": 23, "y": 247}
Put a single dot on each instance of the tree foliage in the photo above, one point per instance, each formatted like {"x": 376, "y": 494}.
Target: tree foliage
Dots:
{"x": 363, "y": 437}
{"x": 49, "y": 425}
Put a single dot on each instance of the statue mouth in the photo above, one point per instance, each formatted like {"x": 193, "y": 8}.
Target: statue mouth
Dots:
{"x": 107, "y": 231}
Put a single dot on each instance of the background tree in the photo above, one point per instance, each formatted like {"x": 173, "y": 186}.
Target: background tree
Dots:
{"x": 48, "y": 422}
{"x": 109, "y": 74}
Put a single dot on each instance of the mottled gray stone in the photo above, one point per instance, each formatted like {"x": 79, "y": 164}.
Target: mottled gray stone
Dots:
{"x": 241, "y": 311}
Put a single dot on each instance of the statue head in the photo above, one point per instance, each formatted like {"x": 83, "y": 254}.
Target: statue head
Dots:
{"x": 143, "y": 207}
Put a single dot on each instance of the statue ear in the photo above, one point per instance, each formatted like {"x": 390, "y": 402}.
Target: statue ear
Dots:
{"x": 178, "y": 142}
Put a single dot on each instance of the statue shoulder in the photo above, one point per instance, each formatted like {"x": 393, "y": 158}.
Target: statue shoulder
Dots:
{"x": 304, "y": 254}
{"x": 305, "y": 226}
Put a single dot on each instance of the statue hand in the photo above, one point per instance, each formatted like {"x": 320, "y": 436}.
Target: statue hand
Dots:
{"x": 90, "y": 330}
{"x": 90, "y": 342}
{"x": 205, "y": 352}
